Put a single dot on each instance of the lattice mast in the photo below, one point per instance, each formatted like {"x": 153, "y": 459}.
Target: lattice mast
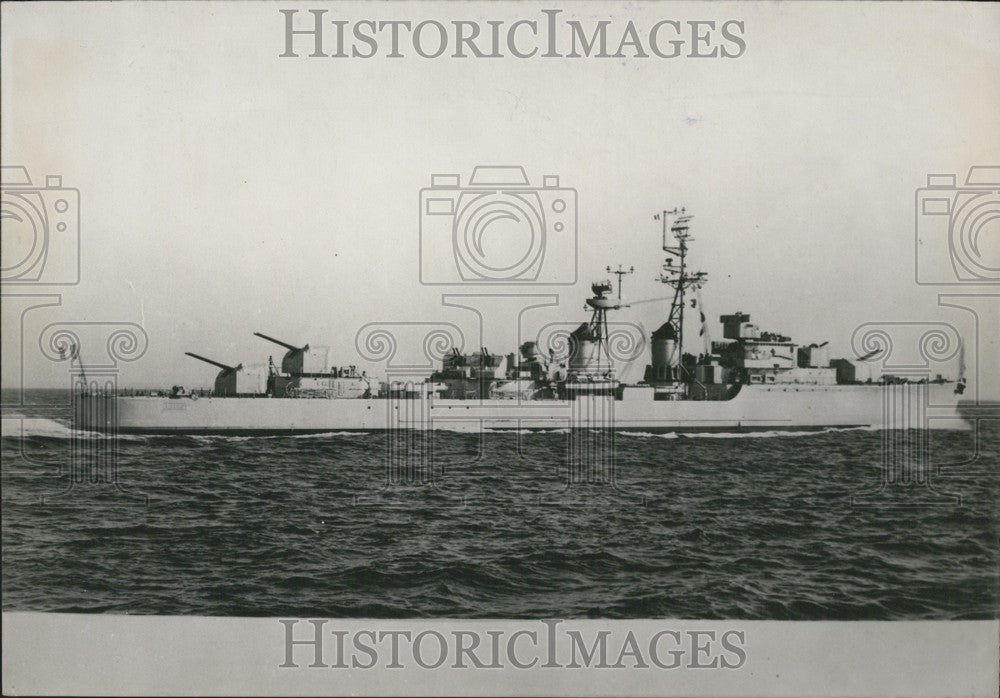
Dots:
{"x": 600, "y": 304}
{"x": 676, "y": 275}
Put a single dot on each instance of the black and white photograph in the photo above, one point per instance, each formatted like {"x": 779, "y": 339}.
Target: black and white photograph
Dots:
{"x": 500, "y": 348}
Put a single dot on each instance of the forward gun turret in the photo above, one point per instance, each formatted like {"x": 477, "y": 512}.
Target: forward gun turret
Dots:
{"x": 224, "y": 367}
{"x": 231, "y": 380}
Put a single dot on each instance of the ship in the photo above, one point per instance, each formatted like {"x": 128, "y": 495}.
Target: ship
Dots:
{"x": 752, "y": 380}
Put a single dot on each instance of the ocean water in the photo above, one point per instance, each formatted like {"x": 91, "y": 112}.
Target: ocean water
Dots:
{"x": 747, "y": 526}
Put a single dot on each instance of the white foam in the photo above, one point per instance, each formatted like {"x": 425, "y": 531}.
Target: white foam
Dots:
{"x": 254, "y": 437}
{"x": 17, "y": 426}
{"x": 649, "y": 435}
{"x": 742, "y": 434}
{"x": 328, "y": 434}
{"x": 475, "y": 429}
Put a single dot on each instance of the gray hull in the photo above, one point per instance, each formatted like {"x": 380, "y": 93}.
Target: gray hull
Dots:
{"x": 921, "y": 406}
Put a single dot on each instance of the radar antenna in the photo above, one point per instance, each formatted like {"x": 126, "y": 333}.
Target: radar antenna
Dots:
{"x": 676, "y": 274}
{"x": 619, "y": 272}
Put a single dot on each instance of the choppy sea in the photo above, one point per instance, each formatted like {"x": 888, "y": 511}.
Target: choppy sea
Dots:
{"x": 770, "y": 525}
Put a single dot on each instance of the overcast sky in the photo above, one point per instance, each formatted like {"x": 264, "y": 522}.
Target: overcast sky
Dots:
{"x": 225, "y": 190}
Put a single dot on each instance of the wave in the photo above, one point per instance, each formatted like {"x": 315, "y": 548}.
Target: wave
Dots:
{"x": 327, "y": 434}
{"x": 18, "y": 426}
{"x": 649, "y": 435}
{"x": 255, "y": 437}
{"x": 770, "y": 434}
{"x": 487, "y": 430}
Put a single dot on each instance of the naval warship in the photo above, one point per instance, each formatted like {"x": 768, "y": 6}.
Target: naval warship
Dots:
{"x": 751, "y": 380}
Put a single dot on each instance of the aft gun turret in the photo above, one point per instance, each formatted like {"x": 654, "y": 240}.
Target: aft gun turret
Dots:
{"x": 309, "y": 372}
{"x": 286, "y": 345}
{"x": 297, "y": 361}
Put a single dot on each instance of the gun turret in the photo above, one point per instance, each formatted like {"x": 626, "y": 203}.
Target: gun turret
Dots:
{"x": 300, "y": 361}
{"x": 231, "y": 380}
{"x": 224, "y": 367}
{"x": 286, "y": 345}
{"x": 234, "y": 380}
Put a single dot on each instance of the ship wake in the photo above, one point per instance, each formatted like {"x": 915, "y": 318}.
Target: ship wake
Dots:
{"x": 17, "y": 426}
{"x": 741, "y": 434}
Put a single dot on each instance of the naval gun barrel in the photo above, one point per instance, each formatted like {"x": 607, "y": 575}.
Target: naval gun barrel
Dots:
{"x": 286, "y": 345}
{"x": 224, "y": 367}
